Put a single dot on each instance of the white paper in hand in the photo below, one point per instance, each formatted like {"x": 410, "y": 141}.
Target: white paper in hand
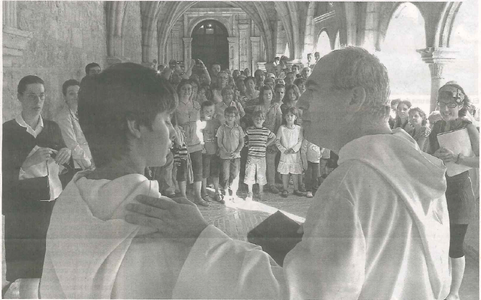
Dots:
{"x": 458, "y": 142}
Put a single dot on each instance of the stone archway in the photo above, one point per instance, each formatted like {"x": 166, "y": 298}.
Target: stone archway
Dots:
{"x": 210, "y": 44}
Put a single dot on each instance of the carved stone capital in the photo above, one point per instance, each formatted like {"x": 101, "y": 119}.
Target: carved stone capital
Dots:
{"x": 437, "y": 55}
{"x": 187, "y": 40}
{"x": 255, "y": 39}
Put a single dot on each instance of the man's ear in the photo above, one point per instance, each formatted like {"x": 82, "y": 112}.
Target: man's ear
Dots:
{"x": 134, "y": 129}
{"x": 358, "y": 98}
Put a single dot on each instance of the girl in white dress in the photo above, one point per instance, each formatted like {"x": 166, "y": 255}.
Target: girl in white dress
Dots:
{"x": 289, "y": 140}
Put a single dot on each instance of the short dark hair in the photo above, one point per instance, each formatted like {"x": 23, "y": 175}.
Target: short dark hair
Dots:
{"x": 261, "y": 92}
{"x": 184, "y": 82}
{"x": 207, "y": 103}
{"x": 122, "y": 92}
{"x": 66, "y": 84}
{"x": 259, "y": 113}
{"x": 90, "y": 66}
{"x": 421, "y": 113}
{"x": 231, "y": 110}
{"x": 29, "y": 79}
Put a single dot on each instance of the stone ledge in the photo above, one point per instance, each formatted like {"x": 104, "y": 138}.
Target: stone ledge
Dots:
{"x": 14, "y": 38}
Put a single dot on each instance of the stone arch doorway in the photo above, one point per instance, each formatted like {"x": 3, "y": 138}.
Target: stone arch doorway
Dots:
{"x": 210, "y": 44}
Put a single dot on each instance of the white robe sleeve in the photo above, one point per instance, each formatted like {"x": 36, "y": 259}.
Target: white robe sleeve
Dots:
{"x": 329, "y": 262}
{"x": 221, "y": 268}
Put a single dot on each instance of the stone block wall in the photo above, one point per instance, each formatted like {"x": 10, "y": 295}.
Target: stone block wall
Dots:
{"x": 65, "y": 37}
{"x": 132, "y": 33}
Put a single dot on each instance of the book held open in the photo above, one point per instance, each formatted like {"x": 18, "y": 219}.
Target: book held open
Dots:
{"x": 457, "y": 141}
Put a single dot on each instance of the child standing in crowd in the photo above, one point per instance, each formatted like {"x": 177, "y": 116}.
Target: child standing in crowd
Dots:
{"x": 210, "y": 160}
{"x": 289, "y": 141}
{"x": 314, "y": 160}
{"x": 230, "y": 139}
{"x": 258, "y": 139}
{"x": 273, "y": 119}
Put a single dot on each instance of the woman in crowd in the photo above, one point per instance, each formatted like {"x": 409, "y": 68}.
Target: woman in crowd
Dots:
{"x": 251, "y": 93}
{"x": 260, "y": 77}
{"x": 402, "y": 116}
{"x": 273, "y": 120}
{"x": 421, "y": 131}
{"x": 125, "y": 113}
{"x": 222, "y": 82}
{"x": 291, "y": 97}
{"x": 187, "y": 116}
{"x": 33, "y": 153}
{"x": 459, "y": 193}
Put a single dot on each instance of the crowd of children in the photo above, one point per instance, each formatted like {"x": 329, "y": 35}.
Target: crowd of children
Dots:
{"x": 234, "y": 128}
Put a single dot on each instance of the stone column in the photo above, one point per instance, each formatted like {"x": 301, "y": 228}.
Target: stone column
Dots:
{"x": 436, "y": 58}
{"x": 255, "y": 44}
{"x": 244, "y": 47}
{"x": 14, "y": 39}
{"x": 187, "y": 50}
{"x": 233, "y": 52}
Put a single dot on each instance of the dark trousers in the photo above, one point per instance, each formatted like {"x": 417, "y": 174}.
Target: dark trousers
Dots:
{"x": 25, "y": 234}
{"x": 312, "y": 175}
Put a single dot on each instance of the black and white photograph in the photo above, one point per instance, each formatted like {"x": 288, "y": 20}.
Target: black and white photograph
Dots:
{"x": 240, "y": 150}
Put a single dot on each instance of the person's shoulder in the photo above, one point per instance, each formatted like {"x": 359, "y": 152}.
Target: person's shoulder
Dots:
{"x": 10, "y": 123}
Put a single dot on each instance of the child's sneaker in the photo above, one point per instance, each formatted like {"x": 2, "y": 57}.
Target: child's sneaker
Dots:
{"x": 273, "y": 189}
{"x": 309, "y": 194}
{"x": 299, "y": 193}
{"x": 284, "y": 194}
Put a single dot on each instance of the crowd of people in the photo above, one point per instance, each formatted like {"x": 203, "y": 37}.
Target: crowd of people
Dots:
{"x": 185, "y": 128}
{"x": 241, "y": 129}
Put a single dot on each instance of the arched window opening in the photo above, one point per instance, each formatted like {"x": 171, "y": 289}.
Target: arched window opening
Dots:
{"x": 409, "y": 76}
{"x": 464, "y": 69}
{"x": 209, "y": 43}
{"x": 323, "y": 44}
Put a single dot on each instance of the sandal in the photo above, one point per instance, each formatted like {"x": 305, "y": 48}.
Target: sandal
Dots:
{"x": 201, "y": 202}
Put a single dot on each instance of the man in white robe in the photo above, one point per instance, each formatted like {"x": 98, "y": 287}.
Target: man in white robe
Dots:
{"x": 377, "y": 228}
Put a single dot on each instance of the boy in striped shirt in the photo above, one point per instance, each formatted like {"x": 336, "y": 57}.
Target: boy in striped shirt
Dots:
{"x": 259, "y": 138}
